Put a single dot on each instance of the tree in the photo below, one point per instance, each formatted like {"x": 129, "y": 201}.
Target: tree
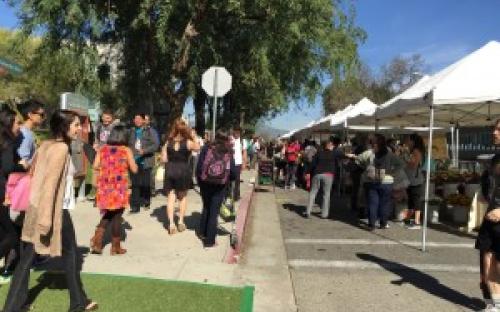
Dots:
{"x": 402, "y": 72}
{"x": 276, "y": 50}
{"x": 47, "y": 72}
{"x": 395, "y": 77}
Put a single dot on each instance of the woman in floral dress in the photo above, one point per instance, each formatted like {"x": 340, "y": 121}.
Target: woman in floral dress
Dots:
{"x": 112, "y": 164}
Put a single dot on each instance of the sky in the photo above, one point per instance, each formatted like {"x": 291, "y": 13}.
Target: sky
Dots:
{"x": 442, "y": 31}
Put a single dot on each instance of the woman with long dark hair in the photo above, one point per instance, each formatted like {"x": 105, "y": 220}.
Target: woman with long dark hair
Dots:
{"x": 112, "y": 164}
{"x": 10, "y": 161}
{"x": 415, "y": 175}
{"x": 215, "y": 169}
{"x": 48, "y": 228}
{"x": 178, "y": 173}
{"x": 381, "y": 164}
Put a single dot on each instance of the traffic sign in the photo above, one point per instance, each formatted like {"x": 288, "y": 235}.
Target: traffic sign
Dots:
{"x": 216, "y": 81}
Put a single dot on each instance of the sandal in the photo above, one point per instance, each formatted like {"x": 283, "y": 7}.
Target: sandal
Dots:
{"x": 92, "y": 306}
{"x": 181, "y": 227}
{"x": 172, "y": 230}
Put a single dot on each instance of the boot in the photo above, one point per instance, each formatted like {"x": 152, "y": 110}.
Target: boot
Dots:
{"x": 116, "y": 249}
{"x": 96, "y": 241}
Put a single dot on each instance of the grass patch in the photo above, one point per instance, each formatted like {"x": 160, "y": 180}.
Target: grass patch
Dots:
{"x": 122, "y": 293}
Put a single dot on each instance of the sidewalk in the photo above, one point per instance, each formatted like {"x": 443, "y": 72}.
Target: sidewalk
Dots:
{"x": 154, "y": 253}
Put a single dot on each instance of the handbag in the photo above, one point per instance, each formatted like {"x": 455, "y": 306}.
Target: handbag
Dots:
{"x": 17, "y": 189}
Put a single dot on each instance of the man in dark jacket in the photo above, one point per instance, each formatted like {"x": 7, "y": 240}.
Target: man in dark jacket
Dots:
{"x": 143, "y": 145}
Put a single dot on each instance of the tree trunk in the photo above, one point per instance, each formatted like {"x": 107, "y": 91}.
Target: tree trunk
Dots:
{"x": 199, "y": 111}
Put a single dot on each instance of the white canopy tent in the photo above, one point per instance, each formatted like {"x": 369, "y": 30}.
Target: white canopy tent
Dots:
{"x": 364, "y": 107}
{"x": 465, "y": 93}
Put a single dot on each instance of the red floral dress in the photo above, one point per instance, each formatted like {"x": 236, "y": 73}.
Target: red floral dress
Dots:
{"x": 112, "y": 181}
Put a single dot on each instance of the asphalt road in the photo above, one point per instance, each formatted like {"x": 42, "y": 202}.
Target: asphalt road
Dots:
{"x": 337, "y": 265}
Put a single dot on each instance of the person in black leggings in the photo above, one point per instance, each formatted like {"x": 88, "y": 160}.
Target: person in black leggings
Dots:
{"x": 9, "y": 162}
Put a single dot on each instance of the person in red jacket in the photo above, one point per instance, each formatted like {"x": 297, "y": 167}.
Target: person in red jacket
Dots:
{"x": 292, "y": 151}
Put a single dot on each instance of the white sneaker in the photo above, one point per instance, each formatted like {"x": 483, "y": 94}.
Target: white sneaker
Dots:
{"x": 491, "y": 308}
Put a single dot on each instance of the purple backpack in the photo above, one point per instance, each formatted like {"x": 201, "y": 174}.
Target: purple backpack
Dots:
{"x": 216, "y": 167}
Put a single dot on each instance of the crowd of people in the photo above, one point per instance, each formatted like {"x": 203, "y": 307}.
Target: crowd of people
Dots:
{"x": 389, "y": 172}
{"x": 38, "y": 190}
{"x": 386, "y": 171}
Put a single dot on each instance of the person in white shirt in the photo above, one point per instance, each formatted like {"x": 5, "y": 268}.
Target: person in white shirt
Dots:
{"x": 240, "y": 160}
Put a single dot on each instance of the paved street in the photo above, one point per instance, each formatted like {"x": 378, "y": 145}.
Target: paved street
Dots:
{"x": 336, "y": 265}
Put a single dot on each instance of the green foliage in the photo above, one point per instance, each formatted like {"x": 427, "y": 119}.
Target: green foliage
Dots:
{"x": 277, "y": 51}
{"x": 47, "y": 72}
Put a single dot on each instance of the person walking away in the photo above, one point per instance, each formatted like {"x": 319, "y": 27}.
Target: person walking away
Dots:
{"x": 143, "y": 145}
{"x": 48, "y": 228}
{"x": 488, "y": 238}
{"x": 10, "y": 162}
{"x": 215, "y": 169}
{"x": 240, "y": 160}
{"x": 359, "y": 144}
{"x": 112, "y": 165}
{"x": 415, "y": 175}
{"x": 178, "y": 175}
{"x": 322, "y": 171}
{"x": 309, "y": 153}
{"x": 292, "y": 150}
{"x": 380, "y": 166}
{"x": 156, "y": 136}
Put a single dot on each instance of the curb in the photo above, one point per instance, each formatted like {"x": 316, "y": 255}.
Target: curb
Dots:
{"x": 232, "y": 254}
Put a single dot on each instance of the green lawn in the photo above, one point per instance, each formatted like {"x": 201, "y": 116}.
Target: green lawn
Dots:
{"x": 121, "y": 293}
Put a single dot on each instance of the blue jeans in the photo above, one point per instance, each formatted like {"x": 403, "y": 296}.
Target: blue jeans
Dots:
{"x": 379, "y": 202}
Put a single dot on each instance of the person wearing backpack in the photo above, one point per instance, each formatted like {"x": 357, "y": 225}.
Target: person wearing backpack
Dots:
{"x": 292, "y": 151}
{"x": 215, "y": 170}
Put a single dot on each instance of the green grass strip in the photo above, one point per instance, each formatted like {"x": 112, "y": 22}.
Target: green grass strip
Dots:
{"x": 247, "y": 299}
{"x": 136, "y": 293}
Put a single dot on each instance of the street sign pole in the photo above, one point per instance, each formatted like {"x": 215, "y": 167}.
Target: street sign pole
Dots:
{"x": 214, "y": 106}
{"x": 216, "y": 81}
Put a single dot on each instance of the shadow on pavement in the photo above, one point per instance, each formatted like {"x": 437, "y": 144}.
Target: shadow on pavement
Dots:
{"x": 298, "y": 209}
{"x": 160, "y": 214}
{"x": 448, "y": 229}
{"x": 57, "y": 264}
{"x": 424, "y": 282}
{"x": 48, "y": 280}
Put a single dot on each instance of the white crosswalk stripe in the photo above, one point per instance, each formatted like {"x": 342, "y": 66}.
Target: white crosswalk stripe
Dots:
{"x": 332, "y": 241}
{"x": 365, "y": 265}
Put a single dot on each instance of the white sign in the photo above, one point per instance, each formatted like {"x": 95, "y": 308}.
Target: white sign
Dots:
{"x": 216, "y": 81}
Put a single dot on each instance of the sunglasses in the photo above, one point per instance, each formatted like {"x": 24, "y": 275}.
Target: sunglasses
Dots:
{"x": 41, "y": 114}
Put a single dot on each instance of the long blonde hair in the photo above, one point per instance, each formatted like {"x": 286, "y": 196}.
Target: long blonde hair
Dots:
{"x": 180, "y": 128}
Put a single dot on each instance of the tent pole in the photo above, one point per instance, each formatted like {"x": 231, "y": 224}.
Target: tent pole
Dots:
{"x": 457, "y": 139}
{"x": 452, "y": 148}
{"x": 428, "y": 175}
